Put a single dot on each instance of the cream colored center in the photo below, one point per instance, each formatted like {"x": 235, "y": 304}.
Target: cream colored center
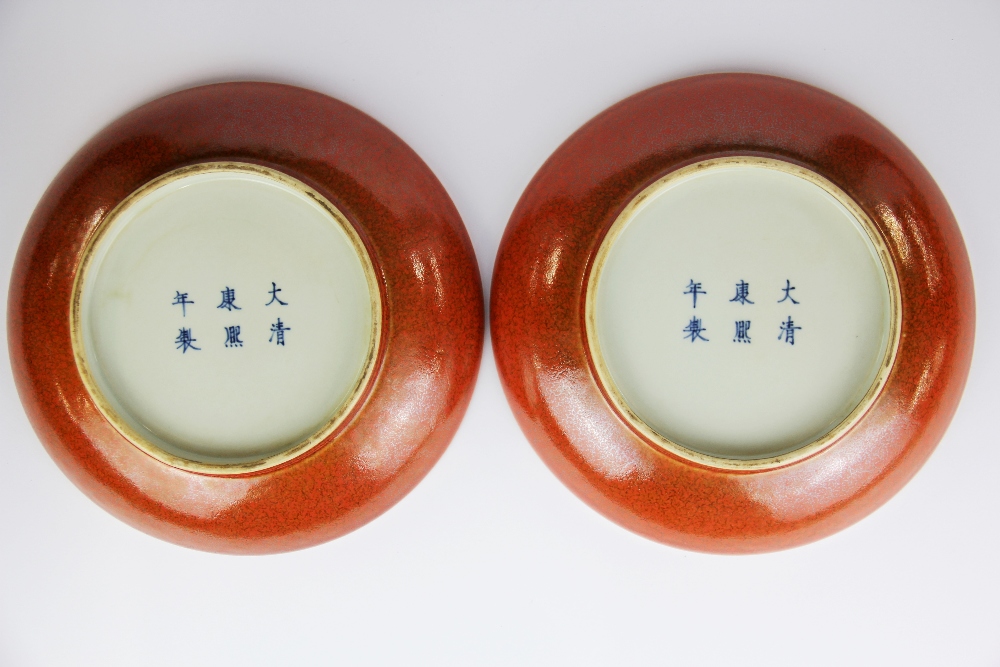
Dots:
{"x": 226, "y": 315}
{"x": 741, "y": 310}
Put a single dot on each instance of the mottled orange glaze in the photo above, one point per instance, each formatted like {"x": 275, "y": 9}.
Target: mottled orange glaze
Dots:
{"x": 432, "y": 319}
{"x": 537, "y": 310}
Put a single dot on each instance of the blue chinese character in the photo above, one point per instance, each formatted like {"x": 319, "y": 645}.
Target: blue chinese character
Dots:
{"x": 278, "y": 330}
{"x": 742, "y": 293}
{"x": 694, "y": 289}
{"x": 788, "y": 331}
{"x": 182, "y": 300}
{"x": 233, "y": 337}
{"x": 694, "y": 329}
{"x": 185, "y": 341}
{"x": 742, "y": 331}
{"x": 229, "y": 299}
{"x": 274, "y": 296}
{"x": 788, "y": 292}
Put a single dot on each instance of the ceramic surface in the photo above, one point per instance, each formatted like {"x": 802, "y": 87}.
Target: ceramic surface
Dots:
{"x": 544, "y": 356}
{"x": 227, "y": 316}
{"x": 739, "y": 309}
{"x": 429, "y": 338}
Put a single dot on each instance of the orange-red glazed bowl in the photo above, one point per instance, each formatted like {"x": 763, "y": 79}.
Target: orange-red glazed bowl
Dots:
{"x": 655, "y": 477}
{"x": 84, "y": 379}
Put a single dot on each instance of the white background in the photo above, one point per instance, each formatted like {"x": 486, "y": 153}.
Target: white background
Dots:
{"x": 491, "y": 560}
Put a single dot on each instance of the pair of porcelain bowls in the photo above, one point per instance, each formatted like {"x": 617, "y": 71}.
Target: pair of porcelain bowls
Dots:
{"x": 732, "y": 313}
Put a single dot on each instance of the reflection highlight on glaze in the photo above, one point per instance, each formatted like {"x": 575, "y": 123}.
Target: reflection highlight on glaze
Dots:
{"x": 420, "y": 270}
{"x": 799, "y": 492}
{"x": 582, "y": 416}
{"x": 552, "y": 265}
{"x": 932, "y": 368}
{"x": 932, "y": 270}
{"x": 895, "y": 228}
{"x": 196, "y": 496}
{"x": 392, "y": 439}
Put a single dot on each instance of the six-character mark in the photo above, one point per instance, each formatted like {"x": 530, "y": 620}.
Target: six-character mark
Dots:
{"x": 694, "y": 329}
{"x": 185, "y": 340}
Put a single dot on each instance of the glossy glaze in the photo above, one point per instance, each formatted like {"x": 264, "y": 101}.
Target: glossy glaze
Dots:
{"x": 539, "y": 339}
{"x": 759, "y": 399}
{"x": 432, "y": 326}
{"x": 231, "y": 400}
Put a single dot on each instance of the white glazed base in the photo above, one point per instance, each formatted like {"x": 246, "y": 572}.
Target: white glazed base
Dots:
{"x": 171, "y": 275}
{"x": 748, "y": 379}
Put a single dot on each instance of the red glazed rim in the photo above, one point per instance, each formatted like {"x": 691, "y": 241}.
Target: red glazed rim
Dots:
{"x": 429, "y": 342}
{"x": 540, "y": 334}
